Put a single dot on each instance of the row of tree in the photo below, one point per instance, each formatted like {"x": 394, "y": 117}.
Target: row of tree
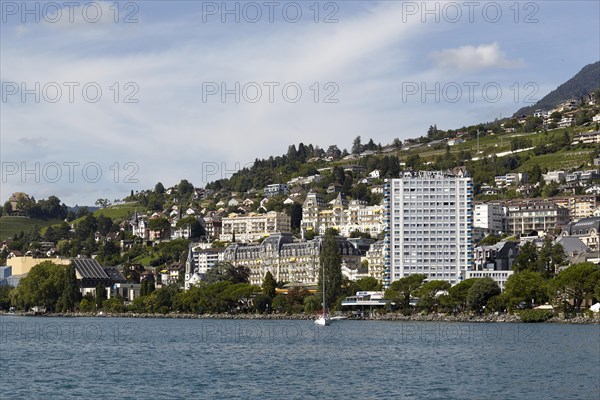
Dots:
{"x": 525, "y": 288}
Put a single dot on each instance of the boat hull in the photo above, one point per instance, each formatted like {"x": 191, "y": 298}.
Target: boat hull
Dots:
{"x": 322, "y": 321}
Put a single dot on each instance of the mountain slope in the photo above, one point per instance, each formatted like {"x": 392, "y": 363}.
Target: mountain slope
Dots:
{"x": 585, "y": 81}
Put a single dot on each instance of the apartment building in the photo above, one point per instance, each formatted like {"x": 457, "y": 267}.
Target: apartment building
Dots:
{"x": 213, "y": 226}
{"x": 579, "y": 207}
{"x": 252, "y": 227}
{"x": 201, "y": 257}
{"x": 343, "y": 216}
{"x": 526, "y": 216}
{"x": 429, "y": 226}
{"x": 375, "y": 259}
{"x": 287, "y": 259}
{"x": 490, "y": 218}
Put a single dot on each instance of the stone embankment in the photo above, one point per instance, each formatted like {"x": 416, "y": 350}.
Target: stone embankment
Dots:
{"x": 488, "y": 318}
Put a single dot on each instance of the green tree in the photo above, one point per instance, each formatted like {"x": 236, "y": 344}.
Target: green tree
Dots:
{"x": 527, "y": 258}
{"x": 330, "y": 270}
{"x": 356, "y": 145}
{"x": 42, "y": 286}
{"x": 70, "y": 294}
{"x": 101, "y": 295}
{"x": 114, "y": 305}
{"x": 456, "y": 299}
{"x": 428, "y": 299}
{"x": 525, "y": 286}
{"x": 184, "y": 187}
{"x": 311, "y": 304}
{"x": 550, "y": 257}
{"x": 262, "y": 303}
{"x": 88, "y": 303}
{"x": 403, "y": 289}
{"x": 279, "y": 303}
{"x": 5, "y": 292}
{"x": 159, "y": 224}
{"x": 269, "y": 285}
{"x": 368, "y": 283}
{"x": 490, "y": 240}
{"x": 577, "y": 283}
{"x": 159, "y": 188}
{"x": 224, "y": 271}
{"x": 196, "y": 228}
{"x": 481, "y": 292}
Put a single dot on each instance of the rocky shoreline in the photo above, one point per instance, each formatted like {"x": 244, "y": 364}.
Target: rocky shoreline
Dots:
{"x": 489, "y": 318}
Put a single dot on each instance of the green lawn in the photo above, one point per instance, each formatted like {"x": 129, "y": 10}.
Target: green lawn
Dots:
{"x": 120, "y": 211}
{"x": 117, "y": 212}
{"x": 9, "y": 226}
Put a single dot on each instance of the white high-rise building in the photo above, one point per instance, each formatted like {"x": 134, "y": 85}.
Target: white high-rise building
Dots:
{"x": 429, "y": 218}
{"x": 490, "y": 218}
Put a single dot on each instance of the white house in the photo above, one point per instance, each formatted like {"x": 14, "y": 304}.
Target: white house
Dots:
{"x": 375, "y": 174}
{"x": 454, "y": 142}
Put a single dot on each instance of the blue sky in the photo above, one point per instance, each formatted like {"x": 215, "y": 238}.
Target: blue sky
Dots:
{"x": 361, "y": 68}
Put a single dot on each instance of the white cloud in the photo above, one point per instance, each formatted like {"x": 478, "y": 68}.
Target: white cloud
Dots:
{"x": 470, "y": 58}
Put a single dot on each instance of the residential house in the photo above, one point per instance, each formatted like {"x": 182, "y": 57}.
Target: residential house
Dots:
{"x": 276, "y": 189}
{"x": 454, "y": 142}
{"x": 90, "y": 275}
{"x": 171, "y": 275}
{"x": 375, "y": 174}
{"x": 554, "y": 176}
{"x": 494, "y": 262}
{"x": 500, "y": 256}
{"x": 334, "y": 188}
{"x": 586, "y": 230}
{"x": 511, "y": 179}
{"x": 354, "y": 168}
{"x": 566, "y": 122}
{"x": 233, "y": 202}
{"x": 587, "y": 138}
{"x": 213, "y": 226}
{"x": 572, "y": 246}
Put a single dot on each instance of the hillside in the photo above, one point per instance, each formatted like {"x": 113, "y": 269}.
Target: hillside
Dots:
{"x": 584, "y": 82}
{"x": 10, "y": 226}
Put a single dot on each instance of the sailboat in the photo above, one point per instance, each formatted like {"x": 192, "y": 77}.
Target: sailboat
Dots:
{"x": 324, "y": 319}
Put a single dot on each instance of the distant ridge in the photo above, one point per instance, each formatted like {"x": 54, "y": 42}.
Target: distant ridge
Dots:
{"x": 584, "y": 82}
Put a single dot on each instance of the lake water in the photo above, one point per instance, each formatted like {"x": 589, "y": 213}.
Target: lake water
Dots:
{"x": 121, "y": 358}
